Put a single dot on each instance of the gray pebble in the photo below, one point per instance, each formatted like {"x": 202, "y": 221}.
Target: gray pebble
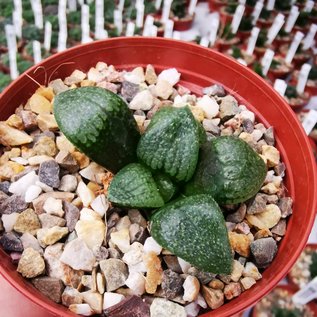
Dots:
{"x": 71, "y": 215}
{"x": 172, "y": 284}
{"x": 237, "y": 216}
{"x": 10, "y": 242}
{"x": 49, "y": 173}
{"x": 263, "y": 251}
{"x": 248, "y": 126}
{"x": 204, "y": 277}
{"x": 172, "y": 263}
{"x": 214, "y": 90}
{"x": 257, "y": 205}
{"x": 4, "y": 187}
{"x": 269, "y": 136}
{"x": 14, "y": 203}
{"x": 285, "y": 204}
{"x": 129, "y": 90}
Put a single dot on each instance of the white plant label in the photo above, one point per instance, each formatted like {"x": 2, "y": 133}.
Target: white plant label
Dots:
{"x": 121, "y": 5}
{"x": 12, "y": 49}
{"x": 309, "y": 6}
{"x": 192, "y": 7}
{"x": 154, "y": 30}
{"x": 99, "y": 20}
{"x": 214, "y": 26}
{"x": 18, "y": 6}
{"x": 117, "y": 15}
{"x": 38, "y": 13}
{"x": 310, "y": 37}
{"x": 130, "y": 29}
{"x": 256, "y": 12}
{"x": 302, "y": 78}
{"x": 139, "y": 15}
{"x": 280, "y": 86}
{"x": 237, "y": 18}
{"x": 81, "y": 2}
{"x": 17, "y": 22}
{"x": 290, "y": 22}
{"x": 308, "y": 125}
{"x": 37, "y": 55}
{"x": 158, "y": 4}
{"x": 275, "y": 28}
{"x": 267, "y": 61}
{"x": 47, "y": 35}
{"x": 294, "y": 46}
{"x": 252, "y": 40}
{"x": 309, "y": 291}
{"x": 72, "y": 5}
{"x": 168, "y": 29}
{"x": 85, "y": 27}
{"x": 242, "y": 2}
{"x": 204, "y": 41}
{"x": 270, "y": 5}
{"x": 149, "y": 21}
{"x": 176, "y": 35}
{"x": 166, "y": 10}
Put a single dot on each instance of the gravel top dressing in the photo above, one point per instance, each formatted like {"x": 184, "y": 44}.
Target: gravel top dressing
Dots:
{"x": 123, "y": 194}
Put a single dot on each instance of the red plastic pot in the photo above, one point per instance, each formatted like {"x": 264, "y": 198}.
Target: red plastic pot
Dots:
{"x": 225, "y": 17}
{"x": 243, "y": 35}
{"x": 215, "y": 5}
{"x": 292, "y": 290}
{"x": 261, "y": 23}
{"x": 183, "y": 24}
{"x": 310, "y": 89}
{"x": 200, "y": 67}
{"x": 222, "y": 45}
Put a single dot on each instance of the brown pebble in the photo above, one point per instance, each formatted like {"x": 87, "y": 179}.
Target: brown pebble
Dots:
{"x": 213, "y": 297}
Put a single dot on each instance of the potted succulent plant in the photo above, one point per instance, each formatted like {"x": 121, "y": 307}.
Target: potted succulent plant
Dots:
{"x": 215, "y": 5}
{"x": 283, "y": 6}
{"x": 300, "y": 56}
{"x": 226, "y": 38}
{"x": 265, "y": 19}
{"x": 302, "y": 22}
{"x": 282, "y": 38}
{"x": 179, "y": 14}
{"x": 227, "y": 12}
{"x": 294, "y": 99}
{"x": 241, "y": 54}
{"x": 311, "y": 86}
{"x": 279, "y": 68}
{"x": 245, "y": 28}
{"x": 27, "y": 52}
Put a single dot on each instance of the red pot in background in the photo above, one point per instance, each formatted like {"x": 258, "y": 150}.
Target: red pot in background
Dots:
{"x": 292, "y": 290}
{"x": 200, "y": 67}
{"x": 279, "y": 41}
{"x": 183, "y": 24}
{"x": 223, "y": 46}
{"x": 280, "y": 72}
{"x": 265, "y": 24}
{"x": 310, "y": 89}
{"x": 225, "y": 17}
{"x": 243, "y": 35}
{"x": 215, "y": 5}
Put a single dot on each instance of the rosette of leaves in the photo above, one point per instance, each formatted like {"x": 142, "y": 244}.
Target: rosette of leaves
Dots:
{"x": 236, "y": 52}
{"x": 313, "y": 73}
{"x": 54, "y": 39}
{"x": 246, "y": 24}
{"x": 291, "y": 92}
{"x": 113, "y": 32}
{"x": 32, "y": 33}
{"x": 28, "y": 15}
{"x": 74, "y": 17}
{"x": 251, "y": 3}
{"x": 179, "y": 8}
{"x": 261, "y": 40}
{"x": 6, "y": 8}
{"x": 303, "y": 19}
{"x": 226, "y": 33}
{"x": 53, "y": 19}
{"x": 313, "y": 265}
{"x": 283, "y": 5}
{"x": 265, "y": 14}
{"x": 258, "y": 69}
{"x": 149, "y": 7}
{"x": 231, "y": 8}
{"x": 275, "y": 64}
{"x": 22, "y": 64}
{"x": 3, "y": 39}
{"x": 283, "y": 312}
{"x": 5, "y": 80}
{"x": 282, "y": 33}
{"x": 50, "y": 2}
{"x": 74, "y": 33}
{"x": 29, "y": 50}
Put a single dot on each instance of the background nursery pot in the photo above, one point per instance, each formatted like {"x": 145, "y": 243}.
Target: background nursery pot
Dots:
{"x": 200, "y": 67}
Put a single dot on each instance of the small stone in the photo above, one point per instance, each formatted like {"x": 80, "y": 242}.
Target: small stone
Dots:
{"x": 68, "y": 183}
{"x": 114, "y": 254}
{"x": 171, "y": 75}
{"x": 172, "y": 263}
{"x": 49, "y": 236}
{"x": 203, "y": 277}
{"x": 185, "y": 266}
{"x": 4, "y": 189}
{"x": 40, "y": 104}
{"x": 238, "y": 215}
{"x": 64, "y": 145}
{"x": 285, "y": 205}
{"x": 151, "y": 245}
{"x": 111, "y": 299}
{"x": 12, "y": 137}
{"x": 54, "y": 207}
{"x": 38, "y": 203}
{"x": 250, "y": 270}
{"x": 27, "y": 221}
{"x": 143, "y": 100}
{"x": 87, "y": 281}
{"x": 264, "y": 251}
{"x": 257, "y": 205}
{"x": 29, "y": 120}
{"x": 270, "y": 189}
{"x": 248, "y": 126}
{"x": 240, "y": 243}
{"x": 10, "y": 169}
{"x": 129, "y": 90}
{"x": 85, "y": 194}
{"x": 50, "y": 287}
{"x": 31, "y": 263}
{"x": 279, "y": 169}
{"x": 213, "y": 297}
{"x": 81, "y": 309}
{"x": 123, "y": 223}
{"x": 93, "y": 172}
{"x": 29, "y": 241}
{"x": 121, "y": 239}
{"x": 92, "y": 232}
{"x": 232, "y": 290}
{"x": 66, "y": 161}
{"x": 101, "y": 253}
{"x": 154, "y": 272}
{"x": 271, "y": 154}
{"x": 216, "y": 284}
{"x": 8, "y": 221}
{"x": 172, "y": 284}
{"x": 71, "y": 215}
{"x": 78, "y": 256}
{"x": 14, "y": 203}
{"x": 191, "y": 288}
{"x": 87, "y": 214}
{"x": 136, "y": 282}
{"x": 266, "y": 219}
{"x": 263, "y": 233}
{"x": 115, "y": 272}
{"x": 237, "y": 270}
{"x": 71, "y": 296}
{"x": 192, "y": 309}
{"x": 214, "y": 90}
{"x": 10, "y": 242}
{"x": 46, "y": 92}
{"x": 76, "y": 77}
{"x": 228, "y": 107}
{"x": 3, "y": 196}
{"x": 58, "y": 86}
{"x": 47, "y": 122}
{"x": 209, "y": 126}
{"x": 15, "y": 121}
{"x": 247, "y": 282}
{"x": 128, "y": 307}
{"x": 269, "y": 136}
{"x": 247, "y": 115}
{"x": 136, "y": 76}
{"x": 100, "y": 205}
{"x": 150, "y": 75}
{"x": 209, "y": 106}
{"x": 49, "y": 173}
{"x": 163, "y": 307}
{"x": 101, "y": 283}
{"x": 279, "y": 228}
{"x": 21, "y": 186}
{"x": 49, "y": 221}
{"x": 38, "y": 159}
{"x": 45, "y": 146}
{"x": 32, "y": 193}
{"x": 163, "y": 89}
{"x": 94, "y": 300}
{"x": 136, "y": 217}
{"x": 134, "y": 255}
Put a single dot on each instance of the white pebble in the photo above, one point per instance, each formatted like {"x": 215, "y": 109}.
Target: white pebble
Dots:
{"x": 123, "y": 223}
{"x": 192, "y": 309}
{"x": 32, "y": 193}
{"x": 171, "y": 75}
{"x": 121, "y": 239}
{"x": 100, "y": 205}
{"x": 88, "y": 214}
{"x": 111, "y": 299}
{"x": 143, "y": 100}
{"x": 136, "y": 282}
{"x": 246, "y": 114}
{"x": 151, "y": 245}
{"x": 257, "y": 135}
{"x": 136, "y": 76}
{"x": 44, "y": 187}
{"x": 93, "y": 172}
{"x": 68, "y": 183}
{"x": 81, "y": 309}
{"x": 9, "y": 221}
{"x": 86, "y": 195}
{"x": 20, "y": 160}
{"x": 54, "y": 207}
{"x": 38, "y": 159}
{"x": 209, "y": 106}
{"x": 95, "y": 75}
{"x": 21, "y": 186}
{"x": 201, "y": 301}
{"x": 185, "y": 266}
{"x": 191, "y": 288}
